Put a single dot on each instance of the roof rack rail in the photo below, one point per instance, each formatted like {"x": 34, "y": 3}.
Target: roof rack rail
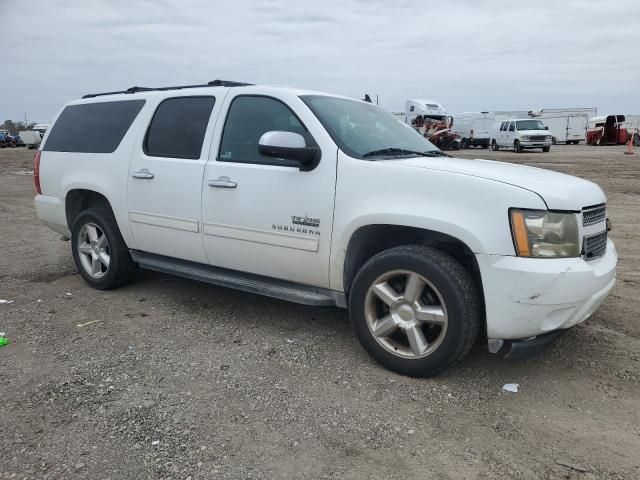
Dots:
{"x": 213, "y": 83}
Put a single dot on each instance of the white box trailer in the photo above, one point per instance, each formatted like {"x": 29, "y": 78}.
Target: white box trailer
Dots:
{"x": 474, "y": 128}
{"x": 567, "y": 125}
{"x": 30, "y": 138}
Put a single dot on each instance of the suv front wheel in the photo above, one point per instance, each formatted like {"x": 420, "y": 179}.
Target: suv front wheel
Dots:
{"x": 415, "y": 310}
{"x": 99, "y": 251}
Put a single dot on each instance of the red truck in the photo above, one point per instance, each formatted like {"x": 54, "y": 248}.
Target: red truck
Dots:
{"x": 609, "y": 130}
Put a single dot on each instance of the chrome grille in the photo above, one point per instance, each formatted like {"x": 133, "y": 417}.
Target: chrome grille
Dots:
{"x": 593, "y": 215}
{"x": 538, "y": 138}
{"x": 594, "y": 246}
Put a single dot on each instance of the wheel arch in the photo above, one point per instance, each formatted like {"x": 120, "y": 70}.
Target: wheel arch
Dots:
{"x": 369, "y": 240}
{"x": 79, "y": 199}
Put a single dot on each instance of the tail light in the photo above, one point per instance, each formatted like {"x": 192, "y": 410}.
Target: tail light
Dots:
{"x": 36, "y": 172}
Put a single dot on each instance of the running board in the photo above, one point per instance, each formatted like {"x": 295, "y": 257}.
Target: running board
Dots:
{"x": 270, "y": 287}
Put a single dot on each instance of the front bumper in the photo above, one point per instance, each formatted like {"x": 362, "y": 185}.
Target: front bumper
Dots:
{"x": 532, "y": 144}
{"x": 527, "y": 297}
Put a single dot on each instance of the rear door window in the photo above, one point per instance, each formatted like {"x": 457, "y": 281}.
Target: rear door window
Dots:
{"x": 92, "y": 127}
{"x": 178, "y": 127}
{"x": 511, "y": 127}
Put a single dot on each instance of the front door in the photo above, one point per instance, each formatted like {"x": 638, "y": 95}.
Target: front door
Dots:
{"x": 165, "y": 178}
{"x": 263, "y": 215}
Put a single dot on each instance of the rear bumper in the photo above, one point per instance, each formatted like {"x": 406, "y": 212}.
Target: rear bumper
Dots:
{"x": 51, "y": 211}
{"x": 528, "y": 297}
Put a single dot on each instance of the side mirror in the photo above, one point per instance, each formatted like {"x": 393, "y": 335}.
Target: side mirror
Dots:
{"x": 546, "y": 128}
{"x": 289, "y": 146}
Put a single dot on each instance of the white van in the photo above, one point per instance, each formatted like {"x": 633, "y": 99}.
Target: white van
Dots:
{"x": 520, "y": 134}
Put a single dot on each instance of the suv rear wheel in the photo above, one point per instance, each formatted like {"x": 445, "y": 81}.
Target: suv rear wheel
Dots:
{"x": 99, "y": 251}
{"x": 415, "y": 310}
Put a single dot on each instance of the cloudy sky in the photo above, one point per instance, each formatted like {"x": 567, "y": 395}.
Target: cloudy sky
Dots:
{"x": 469, "y": 55}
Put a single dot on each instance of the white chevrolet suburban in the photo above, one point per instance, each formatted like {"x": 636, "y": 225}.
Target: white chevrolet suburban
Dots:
{"x": 325, "y": 200}
{"x": 520, "y": 134}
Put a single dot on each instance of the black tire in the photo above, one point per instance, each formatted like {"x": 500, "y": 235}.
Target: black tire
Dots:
{"x": 494, "y": 146}
{"x": 458, "y": 293}
{"x": 122, "y": 269}
{"x": 554, "y": 140}
{"x": 546, "y": 149}
{"x": 517, "y": 147}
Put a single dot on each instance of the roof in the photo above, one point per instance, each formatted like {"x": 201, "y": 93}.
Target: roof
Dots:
{"x": 209, "y": 88}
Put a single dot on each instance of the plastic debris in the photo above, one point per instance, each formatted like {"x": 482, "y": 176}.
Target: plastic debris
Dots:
{"x": 89, "y": 323}
{"x": 511, "y": 387}
{"x": 3, "y": 340}
{"x": 6, "y": 301}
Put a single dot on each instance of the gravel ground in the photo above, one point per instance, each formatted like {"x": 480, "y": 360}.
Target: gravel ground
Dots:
{"x": 171, "y": 378}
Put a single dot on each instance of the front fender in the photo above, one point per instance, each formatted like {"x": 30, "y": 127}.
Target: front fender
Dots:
{"x": 471, "y": 209}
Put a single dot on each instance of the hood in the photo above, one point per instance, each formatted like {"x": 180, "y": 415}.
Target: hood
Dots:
{"x": 558, "y": 190}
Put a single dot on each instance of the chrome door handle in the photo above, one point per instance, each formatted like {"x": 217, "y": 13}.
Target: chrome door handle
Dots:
{"x": 143, "y": 173}
{"x": 222, "y": 182}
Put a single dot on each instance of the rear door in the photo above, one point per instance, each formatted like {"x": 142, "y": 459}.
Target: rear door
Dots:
{"x": 165, "y": 176}
{"x": 261, "y": 215}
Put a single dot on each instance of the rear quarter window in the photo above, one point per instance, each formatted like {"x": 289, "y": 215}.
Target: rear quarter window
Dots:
{"x": 92, "y": 127}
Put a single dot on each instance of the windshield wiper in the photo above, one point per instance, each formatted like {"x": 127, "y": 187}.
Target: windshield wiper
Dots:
{"x": 394, "y": 152}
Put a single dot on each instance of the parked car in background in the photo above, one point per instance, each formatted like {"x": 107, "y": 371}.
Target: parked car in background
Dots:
{"x": 328, "y": 201}
{"x": 6, "y": 140}
{"x": 520, "y": 134}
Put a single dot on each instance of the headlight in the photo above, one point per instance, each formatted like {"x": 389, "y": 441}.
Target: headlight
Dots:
{"x": 538, "y": 233}
{"x": 548, "y": 137}
{"x": 526, "y": 138}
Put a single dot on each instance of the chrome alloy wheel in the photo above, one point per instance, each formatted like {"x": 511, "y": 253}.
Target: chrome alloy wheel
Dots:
{"x": 406, "y": 314}
{"x": 93, "y": 250}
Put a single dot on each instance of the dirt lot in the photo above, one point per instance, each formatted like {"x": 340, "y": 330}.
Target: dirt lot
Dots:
{"x": 179, "y": 379}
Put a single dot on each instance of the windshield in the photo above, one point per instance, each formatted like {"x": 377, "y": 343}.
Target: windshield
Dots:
{"x": 361, "y": 128}
{"x": 529, "y": 125}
